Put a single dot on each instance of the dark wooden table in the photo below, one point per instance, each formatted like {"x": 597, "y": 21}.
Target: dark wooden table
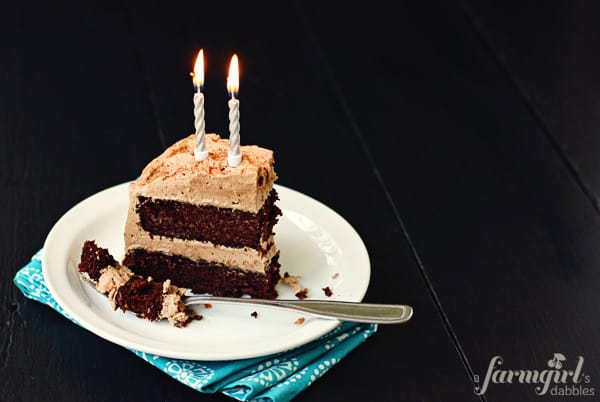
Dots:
{"x": 461, "y": 140}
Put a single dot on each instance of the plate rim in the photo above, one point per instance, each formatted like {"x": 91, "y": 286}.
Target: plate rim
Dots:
{"x": 53, "y": 239}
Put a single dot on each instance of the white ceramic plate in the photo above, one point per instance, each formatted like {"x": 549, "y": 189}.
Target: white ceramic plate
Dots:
{"x": 315, "y": 242}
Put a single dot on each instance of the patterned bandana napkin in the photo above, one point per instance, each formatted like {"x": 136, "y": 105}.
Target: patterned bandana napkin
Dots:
{"x": 276, "y": 378}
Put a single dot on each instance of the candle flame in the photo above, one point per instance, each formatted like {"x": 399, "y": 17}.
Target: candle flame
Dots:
{"x": 233, "y": 79}
{"x": 198, "y": 74}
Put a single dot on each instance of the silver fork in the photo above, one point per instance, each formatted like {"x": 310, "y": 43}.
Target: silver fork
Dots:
{"x": 339, "y": 310}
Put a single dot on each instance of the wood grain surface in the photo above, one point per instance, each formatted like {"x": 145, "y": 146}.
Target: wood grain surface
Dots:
{"x": 459, "y": 139}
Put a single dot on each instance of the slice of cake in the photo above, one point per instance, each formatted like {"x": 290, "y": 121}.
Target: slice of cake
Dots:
{"x": 205, "y": 225}
{"x": 147, "y": 298}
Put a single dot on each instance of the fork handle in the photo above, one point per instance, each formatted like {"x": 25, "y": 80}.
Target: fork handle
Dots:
{"x": 340, "y": 310}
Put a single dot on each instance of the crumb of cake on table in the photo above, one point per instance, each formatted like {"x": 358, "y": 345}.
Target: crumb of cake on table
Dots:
{"x": 299, "y": 321}
{"x": 327, "y": 291}
{"x": 254, "y": 314}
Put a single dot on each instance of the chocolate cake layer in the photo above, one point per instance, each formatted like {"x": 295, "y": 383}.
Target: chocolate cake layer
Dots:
{"x": 203, "y": 276}
{"x": 223, "y": 226}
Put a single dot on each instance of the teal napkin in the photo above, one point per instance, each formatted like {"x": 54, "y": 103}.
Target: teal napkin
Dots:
{"x": 276, "y": 378}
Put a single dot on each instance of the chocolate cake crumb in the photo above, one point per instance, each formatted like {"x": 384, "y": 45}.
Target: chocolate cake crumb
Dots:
{"x": 254, "y": 314}
{"x": 299, "y": 321}
{"x": 142, "y": 296}
{"x": 303, "y": 294}
{"x": 207, "y": 305}
{"x": 292, "y": 281}
{"x": 335, "y": 276}
{"x": 327, "y": 291}
{"x": 94, "y": 259}
{"x": 192, "y": 317}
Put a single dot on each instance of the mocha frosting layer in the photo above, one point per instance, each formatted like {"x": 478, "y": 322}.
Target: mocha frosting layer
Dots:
{"x": 244, "y": 258}
{"x": 176, "y": 175}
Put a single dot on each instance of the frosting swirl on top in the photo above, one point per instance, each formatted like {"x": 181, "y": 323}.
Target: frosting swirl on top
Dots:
{"x": 176, "y": 175}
